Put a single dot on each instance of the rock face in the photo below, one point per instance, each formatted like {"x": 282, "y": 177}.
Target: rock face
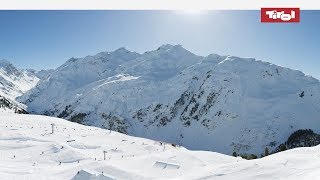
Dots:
{"x": 14, "y": 82}
{"x": 300, "y": 138}
{"x": 221, "y": 103}
{"x": 7, "y": 105}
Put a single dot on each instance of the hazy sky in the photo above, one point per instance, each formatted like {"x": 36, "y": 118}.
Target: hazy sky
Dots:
{"x": 46, "y": 39}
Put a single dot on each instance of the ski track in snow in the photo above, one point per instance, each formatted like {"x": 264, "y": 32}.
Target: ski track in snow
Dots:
{"x": 28, "y": 150}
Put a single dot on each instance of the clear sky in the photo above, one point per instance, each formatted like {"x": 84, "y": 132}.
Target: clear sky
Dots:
{"x": 46, "y": 39}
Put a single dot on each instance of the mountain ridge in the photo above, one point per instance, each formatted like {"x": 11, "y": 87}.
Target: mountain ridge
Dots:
{"x": 173, "y": 95}
{"x": 13, "y": 83}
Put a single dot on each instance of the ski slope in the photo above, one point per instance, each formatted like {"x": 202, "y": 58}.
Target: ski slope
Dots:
{"x": 29, "y": 150}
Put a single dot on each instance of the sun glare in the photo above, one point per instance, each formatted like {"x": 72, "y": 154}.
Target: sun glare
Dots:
{"x": 192, "y": 12}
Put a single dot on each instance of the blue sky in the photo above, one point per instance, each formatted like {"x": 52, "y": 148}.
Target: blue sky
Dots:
{"x": 46, "y": 39}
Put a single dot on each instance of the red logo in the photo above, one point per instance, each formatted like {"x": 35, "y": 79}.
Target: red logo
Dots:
{"x": 280, "y": 15}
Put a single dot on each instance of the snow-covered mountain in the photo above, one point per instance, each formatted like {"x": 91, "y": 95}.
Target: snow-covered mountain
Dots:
{"x": 29, "y": 150}
{"x": 14, "y": 82}
{"x": 220, "y": 103}
{"x": 42, "y": 74}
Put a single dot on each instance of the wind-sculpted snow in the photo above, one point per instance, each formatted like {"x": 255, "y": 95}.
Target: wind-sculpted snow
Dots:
{"x": 220, "y": 103}
{"x": 30, "y": 150}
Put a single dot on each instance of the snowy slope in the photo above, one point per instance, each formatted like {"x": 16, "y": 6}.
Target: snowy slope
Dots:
{"x": 42, "y": 74}
{"x": 221, "y": 103}
{"x": 13, "y": 82}
{"x": 28, "y": 150}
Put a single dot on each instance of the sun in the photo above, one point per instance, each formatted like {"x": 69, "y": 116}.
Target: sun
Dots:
{"x": 192, "y": 12}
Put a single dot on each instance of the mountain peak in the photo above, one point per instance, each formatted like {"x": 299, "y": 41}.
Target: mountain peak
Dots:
{"x": 171, "y": 87}
{"x": 9, "y": 68}
{"x": 215, "y": 58}
{"x": 122, "y": 50}
{"x": 4, "y": 63}
{"x": 169, "y": 47}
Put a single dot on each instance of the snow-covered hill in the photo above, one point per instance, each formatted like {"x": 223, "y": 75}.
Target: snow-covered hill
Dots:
{"x": 14, "y": 82}
{"x": 220, "y": 103}
{"x": 29, "y": 150}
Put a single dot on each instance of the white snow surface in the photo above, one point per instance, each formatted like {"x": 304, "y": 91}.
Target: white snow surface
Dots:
{"x": 29, "y": 150}
{"x": 221, "y": 103}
